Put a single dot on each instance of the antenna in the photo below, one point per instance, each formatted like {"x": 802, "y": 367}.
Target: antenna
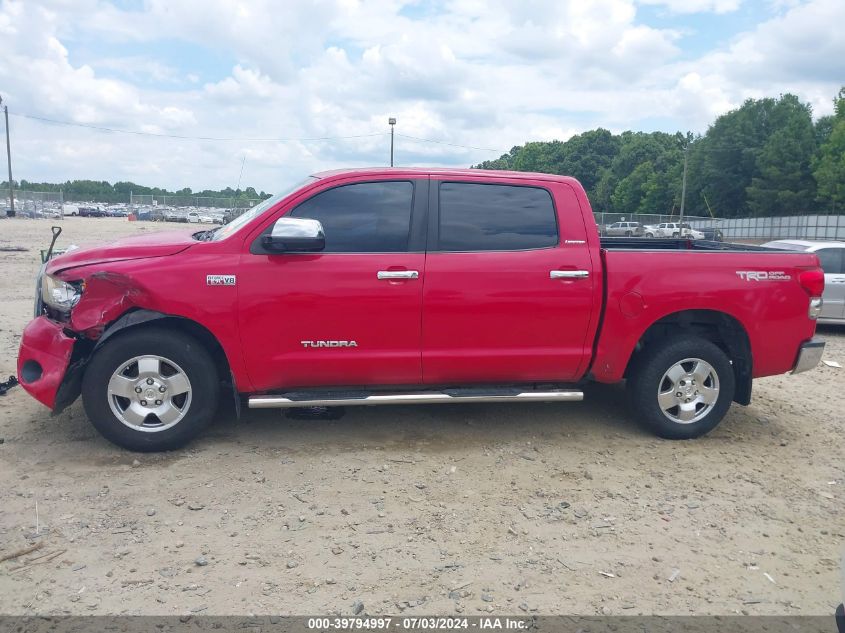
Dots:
{"x": 243, "y": 160}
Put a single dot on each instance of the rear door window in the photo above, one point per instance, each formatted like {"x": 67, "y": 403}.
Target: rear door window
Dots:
{"x": 485, "y": 217}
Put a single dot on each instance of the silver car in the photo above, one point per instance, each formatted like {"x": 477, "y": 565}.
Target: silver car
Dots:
{"x": 624, "y": 229}
{"x": 832, "y": 258}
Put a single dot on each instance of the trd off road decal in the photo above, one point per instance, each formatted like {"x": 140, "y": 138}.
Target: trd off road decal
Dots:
{"x": 763, "y": 275}
{"x": 220, "y": 280}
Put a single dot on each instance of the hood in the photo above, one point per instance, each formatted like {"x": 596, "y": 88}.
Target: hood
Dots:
{"x": 136, "y": 247}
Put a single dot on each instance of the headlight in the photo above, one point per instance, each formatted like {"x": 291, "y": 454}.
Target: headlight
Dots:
{"x": 59, "y": 294}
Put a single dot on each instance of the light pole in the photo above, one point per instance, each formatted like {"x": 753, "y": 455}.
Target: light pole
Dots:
{"x": 392, "y": 122}
{"x": 11, "y": 212}
{"x": 683, "y": 191}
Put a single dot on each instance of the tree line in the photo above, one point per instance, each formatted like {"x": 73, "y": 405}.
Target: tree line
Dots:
{"x": 767, "y": 157}
{"x": 105, "y": 192}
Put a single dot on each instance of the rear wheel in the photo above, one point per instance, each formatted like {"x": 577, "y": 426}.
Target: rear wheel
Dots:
{"x": 682, "y": 388}
{"x": 676, "y": 234}
{"x": 150, "y": 390}
{"x": 628, "y": 233}
{"x": 649, "y": 234}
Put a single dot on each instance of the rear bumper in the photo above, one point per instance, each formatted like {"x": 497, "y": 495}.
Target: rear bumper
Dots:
{"x": 809, "y": 355}
{"x": 43, "y": 359}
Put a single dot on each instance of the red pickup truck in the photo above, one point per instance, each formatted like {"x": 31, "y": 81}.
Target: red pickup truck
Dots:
{"x": 380, "y": 286}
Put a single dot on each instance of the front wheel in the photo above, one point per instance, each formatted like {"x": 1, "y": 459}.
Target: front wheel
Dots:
{"x": 150, "y": 390}
{"x": 681, "y": 388}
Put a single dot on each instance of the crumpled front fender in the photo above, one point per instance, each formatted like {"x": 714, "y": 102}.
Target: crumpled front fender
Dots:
{"x": 106, "y": 297}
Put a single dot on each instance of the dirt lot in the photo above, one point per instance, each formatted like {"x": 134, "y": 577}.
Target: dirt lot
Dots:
{"x": 544, "y": 508}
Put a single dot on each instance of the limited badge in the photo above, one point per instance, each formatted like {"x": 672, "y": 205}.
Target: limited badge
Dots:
{"x": 220, "y": 280}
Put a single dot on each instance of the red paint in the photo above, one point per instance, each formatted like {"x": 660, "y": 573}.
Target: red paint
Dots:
{"x": 287, "y": 299}
{"x": 498, "y": 317}
{"x": 773, "y": 313}
{"x": 45, "y": 343}
{"x": 468, "y": 318}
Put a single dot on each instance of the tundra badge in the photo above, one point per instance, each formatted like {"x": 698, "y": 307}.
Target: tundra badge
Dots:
{"x": 329, "y": 343}
{"x": 220, "y": 280}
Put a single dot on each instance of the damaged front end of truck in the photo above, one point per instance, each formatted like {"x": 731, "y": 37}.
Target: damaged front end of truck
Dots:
{"x": 72, "y": 318}
{"x": 78, "y": 306}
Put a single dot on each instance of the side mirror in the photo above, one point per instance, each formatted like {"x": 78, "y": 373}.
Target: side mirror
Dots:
{"x": 295, "y": 235}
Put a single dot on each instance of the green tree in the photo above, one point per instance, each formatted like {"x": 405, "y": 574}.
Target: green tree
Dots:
{"x": 783, "y": 183}
{"x": 829, "y": 164}
{"x": 629, "y": 193}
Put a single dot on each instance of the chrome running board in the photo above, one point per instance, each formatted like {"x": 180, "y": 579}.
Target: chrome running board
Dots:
{"x": 422, "y": 397}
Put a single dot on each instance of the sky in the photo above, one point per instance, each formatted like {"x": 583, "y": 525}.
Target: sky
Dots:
{"x": 287, "y": 88}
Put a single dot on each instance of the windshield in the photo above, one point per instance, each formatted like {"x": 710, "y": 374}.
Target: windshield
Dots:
{"x": 247, "y": 216}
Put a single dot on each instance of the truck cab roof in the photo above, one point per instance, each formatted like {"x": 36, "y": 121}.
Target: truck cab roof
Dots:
{"x": 443, "y": 172}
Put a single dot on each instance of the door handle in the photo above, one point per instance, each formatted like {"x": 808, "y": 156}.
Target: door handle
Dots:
{"x": 569, "y": 274}
{"x": 398, "y": 274}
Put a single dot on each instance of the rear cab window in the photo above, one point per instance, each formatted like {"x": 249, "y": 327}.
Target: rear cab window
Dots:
{"x": 493, "y": 217}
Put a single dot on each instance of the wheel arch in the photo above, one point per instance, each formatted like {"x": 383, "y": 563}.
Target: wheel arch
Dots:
{"x": 721, "y": 328}
{"x": 71, "y": 385}
{"x": 145, "y": 318}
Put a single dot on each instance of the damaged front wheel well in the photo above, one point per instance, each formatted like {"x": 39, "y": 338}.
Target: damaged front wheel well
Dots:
{"x": 84, "y": 348}
{"x": 149, "y": 318}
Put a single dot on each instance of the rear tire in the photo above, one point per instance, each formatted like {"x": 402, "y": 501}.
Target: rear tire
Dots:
{"x": 140, "y": 375}
{"x": 628, "y": 233}
{"x": 682, "y": 388}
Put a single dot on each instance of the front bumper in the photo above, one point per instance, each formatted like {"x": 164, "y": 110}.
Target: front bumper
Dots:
{"x": 43, "y": 359}
{"x": 809, "y": 355}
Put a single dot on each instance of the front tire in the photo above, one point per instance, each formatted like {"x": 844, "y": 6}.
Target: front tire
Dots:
{"x": 681, "y": 388}
{"x": 150, "y": 390}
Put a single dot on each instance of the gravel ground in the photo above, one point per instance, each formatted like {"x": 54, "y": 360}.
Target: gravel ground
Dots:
{"x": 512, "y": 508}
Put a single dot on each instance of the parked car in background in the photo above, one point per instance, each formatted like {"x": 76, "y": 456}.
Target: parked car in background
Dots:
{"x": 676, "y": 229}
{"x": 91, "y": 212}
{"x": 149, "y": 214}
{"x": 832, "y": 259}
{"x": 192, "y": 216}
{"x": 70, "y": 209}
{"x": 207, "y": 219}
{"x": 712, "y": 233}
{"x": 625, "y": 229}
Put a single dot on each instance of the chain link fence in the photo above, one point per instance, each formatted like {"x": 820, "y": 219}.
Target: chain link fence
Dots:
{"x": 603, "y": 219}
{"x": 796, "y": 227}
{"x": 187, "y": 208}
{"x": 35, "y": 204}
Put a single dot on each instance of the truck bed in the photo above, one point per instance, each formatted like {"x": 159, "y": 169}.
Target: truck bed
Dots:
{"x": 758, "y": 288}
{"x": 675, "y": 244}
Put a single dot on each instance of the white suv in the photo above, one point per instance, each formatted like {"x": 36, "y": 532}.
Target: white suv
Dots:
{"x": 676, "y": 229}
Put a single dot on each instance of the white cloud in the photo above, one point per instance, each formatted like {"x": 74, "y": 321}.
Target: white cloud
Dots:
{"x": 138, "y": 67}
{"x": 696, "y": 6}
{"x": 485, "y": 73}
